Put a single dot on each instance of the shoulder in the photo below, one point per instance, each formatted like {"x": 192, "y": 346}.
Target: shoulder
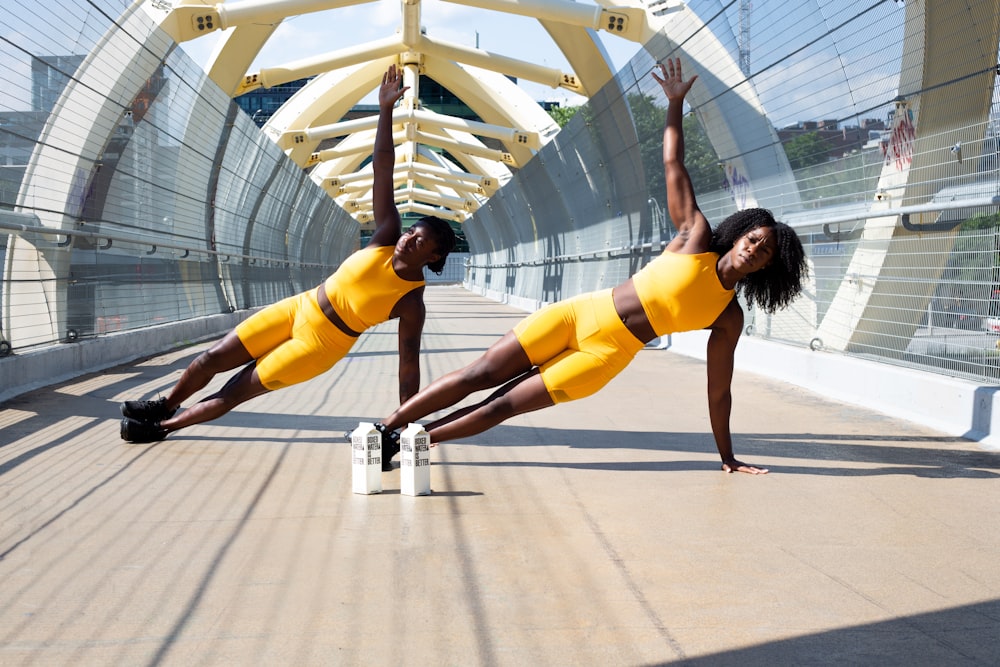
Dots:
{"x": 411, "y": 305}
{"x": 368, "y": 251}
{"x": 693, "y": 238}
{"x": 385, "y": 234}
{"x": 703, "y": 257}
{"x": 376, "y": 255}
{"x": 674, "y": 260}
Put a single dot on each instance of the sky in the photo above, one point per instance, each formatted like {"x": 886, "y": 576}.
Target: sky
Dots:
{"x": 508, "y": 35}
{"x": 804, "y": 75}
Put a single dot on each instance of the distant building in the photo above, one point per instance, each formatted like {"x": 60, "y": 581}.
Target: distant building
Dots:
{"x": 262, "y": 103}
{"x": 19, "y": 130}
{"x": 49, "y": 75}
{"x": 841, "y": 140}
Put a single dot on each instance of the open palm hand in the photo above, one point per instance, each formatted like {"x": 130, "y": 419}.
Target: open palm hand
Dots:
{"x": 392, "y": 87}
{"x": 672, "y": 80}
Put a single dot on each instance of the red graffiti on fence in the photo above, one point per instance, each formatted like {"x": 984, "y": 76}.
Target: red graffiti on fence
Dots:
{"x": 898, "y": 147}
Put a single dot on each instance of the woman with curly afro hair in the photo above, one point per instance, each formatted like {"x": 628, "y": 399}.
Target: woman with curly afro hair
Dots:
{"x": 571, "y": 349}
{"x": 777, "y": 284}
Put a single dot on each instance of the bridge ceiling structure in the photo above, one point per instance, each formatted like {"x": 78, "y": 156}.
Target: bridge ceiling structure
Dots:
{"x": 870, "y": 126}
{"x": 445, "y": 165}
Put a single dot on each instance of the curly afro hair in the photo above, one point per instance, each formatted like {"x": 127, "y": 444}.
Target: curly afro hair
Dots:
{"x": 777, "y": 284}
{"x": 444, "y": 237}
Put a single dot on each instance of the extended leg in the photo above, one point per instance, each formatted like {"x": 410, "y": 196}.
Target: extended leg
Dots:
{"x": 225, "y": 355}
{"x": 240, "y": 388}
{"x": 504, "y": 361}
{"x": 523, "y": 394}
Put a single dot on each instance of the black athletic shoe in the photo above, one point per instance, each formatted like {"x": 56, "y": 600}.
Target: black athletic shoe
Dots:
{"x": 390, "y": 446}
{"x": 147, "y": 411}
{"x": 133, "y": 430}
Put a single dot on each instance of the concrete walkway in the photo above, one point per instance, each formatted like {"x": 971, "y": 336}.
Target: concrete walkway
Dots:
{"x": 599, "y": 532}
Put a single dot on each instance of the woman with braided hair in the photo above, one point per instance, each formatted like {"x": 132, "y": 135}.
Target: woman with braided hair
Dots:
{"x": 298, "y": 338}
{"x": 571, "y": 349}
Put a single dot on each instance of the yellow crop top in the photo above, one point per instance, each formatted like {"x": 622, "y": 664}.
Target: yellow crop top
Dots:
{"x": 365, "y": 287}
{"x": 681, "y": 292}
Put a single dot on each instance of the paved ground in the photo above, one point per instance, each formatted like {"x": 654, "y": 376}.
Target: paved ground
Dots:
{"x": 600, "y": 532}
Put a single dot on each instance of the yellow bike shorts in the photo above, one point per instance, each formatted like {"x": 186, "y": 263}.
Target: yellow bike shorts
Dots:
{"x": 293, "y": 341}
{"x": 578, "y": 344}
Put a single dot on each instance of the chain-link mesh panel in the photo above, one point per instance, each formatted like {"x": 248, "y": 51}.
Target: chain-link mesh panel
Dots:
{"x": 884, "y": 146}
{"x": 174, "y": 206}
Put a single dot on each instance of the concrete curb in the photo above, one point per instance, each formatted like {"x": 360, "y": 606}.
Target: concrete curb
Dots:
{"x": 31, "y": 369}
{"x": 951, "y": 405}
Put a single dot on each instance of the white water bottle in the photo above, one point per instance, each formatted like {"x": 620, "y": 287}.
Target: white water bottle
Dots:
{"x": 415, "y": 461}
{"x": 366, "y": 459}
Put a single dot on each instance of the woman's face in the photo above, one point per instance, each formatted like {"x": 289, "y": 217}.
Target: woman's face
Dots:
{"x": 417, "y": 245}
{"x": 755, "y": 249}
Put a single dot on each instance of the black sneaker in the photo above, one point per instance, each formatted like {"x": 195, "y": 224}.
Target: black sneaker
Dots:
{"x": 147, "y": 411}
{"x": 390, "y": 446}
{"x": 133, "y": 430}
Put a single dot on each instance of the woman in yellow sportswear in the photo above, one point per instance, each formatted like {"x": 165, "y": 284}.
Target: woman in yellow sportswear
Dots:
{"x": 304, "y": 335}
{"x": 571, "y": 349}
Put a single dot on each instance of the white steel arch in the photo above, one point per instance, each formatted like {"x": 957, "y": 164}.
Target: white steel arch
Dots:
{"x": 478, "y": 77}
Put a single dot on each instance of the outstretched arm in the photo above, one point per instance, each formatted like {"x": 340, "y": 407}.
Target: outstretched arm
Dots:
{"x": 694, "y": 232}
{"x": 412, "y": 313}
{"x": 721, "y": 349}
{"x": 388, "y": 226}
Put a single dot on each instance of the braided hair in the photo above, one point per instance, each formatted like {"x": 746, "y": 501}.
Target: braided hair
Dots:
{"x": 444, "y": 239}
{"x": 777, "y": 284}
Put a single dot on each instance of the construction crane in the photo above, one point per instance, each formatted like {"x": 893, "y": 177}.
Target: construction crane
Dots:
{"x": 744, "y": 37}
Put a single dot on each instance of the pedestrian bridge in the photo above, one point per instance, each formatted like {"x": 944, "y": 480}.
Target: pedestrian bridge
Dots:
{"x": 597, "y": 532}
{"x": 142, "y": 214}
{"x": 141, "y": 208}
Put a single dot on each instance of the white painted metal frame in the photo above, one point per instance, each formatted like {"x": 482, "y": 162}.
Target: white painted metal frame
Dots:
{"x": 478, "y": 77}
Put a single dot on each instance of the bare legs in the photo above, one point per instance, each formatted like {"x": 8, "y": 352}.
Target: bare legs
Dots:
{"x": 225, "y": 355}
{"x": 523, "y": 394}
{"x": 505, "y": 363}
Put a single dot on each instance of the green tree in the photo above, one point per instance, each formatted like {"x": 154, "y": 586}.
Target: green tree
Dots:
{"x": 850, "y": 178}
{"x": 562, "y": 115}
{"x": 807, "y": 150}
{"x": 975, "y": 257}
{"x": 699, "y": 156}
{"x": 649, "y": 119}
{"x": 978, "y": 222}
{"x": 973, "y": 264}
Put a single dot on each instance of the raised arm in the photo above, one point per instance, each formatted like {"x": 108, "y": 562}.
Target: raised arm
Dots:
{"x": 694, "y": 232}
{"x": 388, "y": 226}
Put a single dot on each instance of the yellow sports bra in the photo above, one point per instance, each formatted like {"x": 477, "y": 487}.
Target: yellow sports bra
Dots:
{"x": 681, "y": 292}
{"x": 365, "y": 287}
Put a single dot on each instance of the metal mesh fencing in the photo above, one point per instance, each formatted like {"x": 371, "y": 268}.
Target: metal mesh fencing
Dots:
{"x": 156, "y": 200}
{"x": 870, "y": 127}
{"x": 879, "y": 146}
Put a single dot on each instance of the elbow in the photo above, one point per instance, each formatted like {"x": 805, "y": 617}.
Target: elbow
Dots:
{"x": 720, "y": 395}
{"x": 672, "y": 163}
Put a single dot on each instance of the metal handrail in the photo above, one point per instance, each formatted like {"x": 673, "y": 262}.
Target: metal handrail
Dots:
{"x": 21, "y": 228}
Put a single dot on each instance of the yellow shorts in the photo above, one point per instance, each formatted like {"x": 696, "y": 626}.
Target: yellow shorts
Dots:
{"x": 293, "y": 341}
{"x": 579, "y": 344}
